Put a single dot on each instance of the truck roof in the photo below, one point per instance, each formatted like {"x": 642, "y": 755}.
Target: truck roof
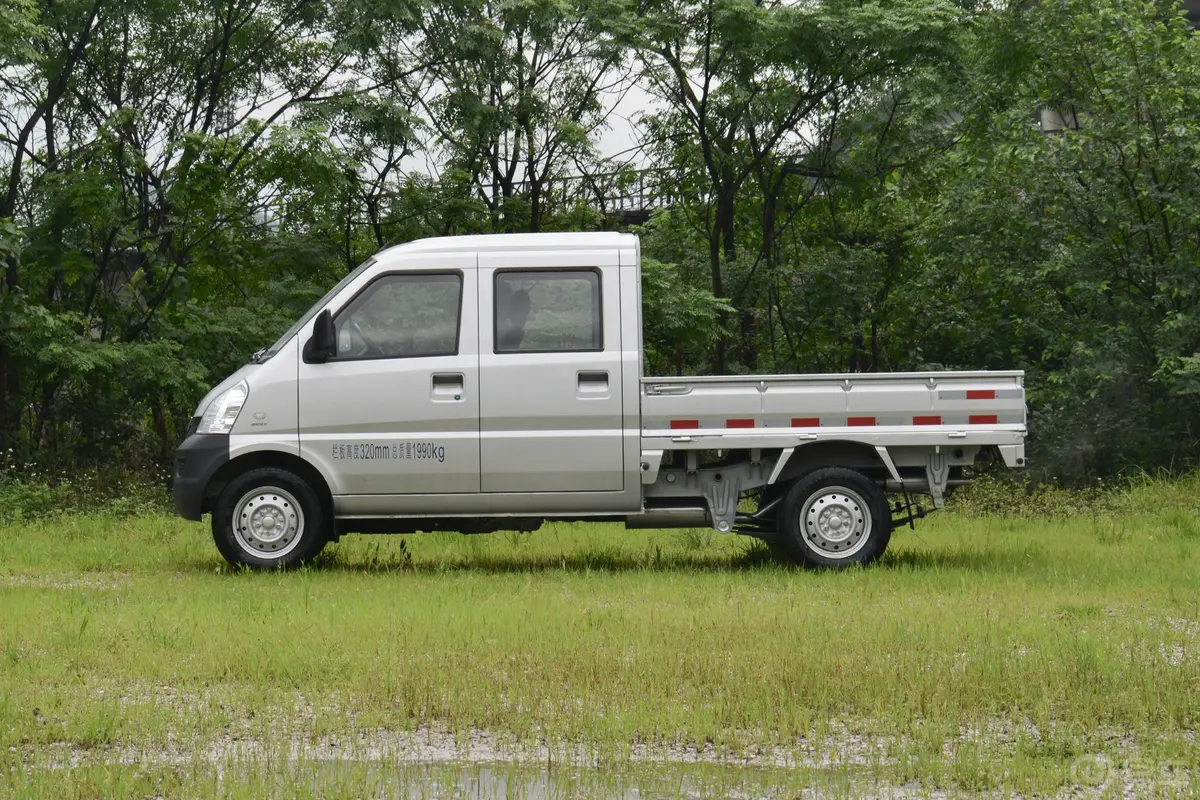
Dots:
{"x": 605, "y": 240}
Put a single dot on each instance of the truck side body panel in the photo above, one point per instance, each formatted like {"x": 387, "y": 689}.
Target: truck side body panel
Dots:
{"x": 777, "y": 403}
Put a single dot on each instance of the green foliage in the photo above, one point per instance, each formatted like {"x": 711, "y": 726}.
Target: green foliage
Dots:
{"x": 19, "y": 31}
{"x": 678, "y": 318}
{"x": 1073, "y": 254}
{"x": 843, "y": 186}
{"x": 27, "y": 493}
{"x": 1025, "y": 498}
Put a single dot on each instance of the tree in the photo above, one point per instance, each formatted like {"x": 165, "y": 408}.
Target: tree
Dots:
{"x": 1071, "y": 246}
{"x": 744, "y": 83}
{"x": 155, "y": 152}
{"x": 514, "y": 94}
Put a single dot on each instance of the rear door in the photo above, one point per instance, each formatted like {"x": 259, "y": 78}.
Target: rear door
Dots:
{"x": 550, "y": 372}
{"x": 397, "y": 410}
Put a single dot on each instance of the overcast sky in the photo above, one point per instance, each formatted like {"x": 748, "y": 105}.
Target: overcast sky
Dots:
{"x": 621, "y": 139}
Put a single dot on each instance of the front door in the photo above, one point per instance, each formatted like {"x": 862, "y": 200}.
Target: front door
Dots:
{"x": 396, "y": 411}
{"x": 550, "y": 372}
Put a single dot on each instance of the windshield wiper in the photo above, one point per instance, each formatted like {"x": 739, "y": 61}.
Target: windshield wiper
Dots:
{"x": 257, "y": 356}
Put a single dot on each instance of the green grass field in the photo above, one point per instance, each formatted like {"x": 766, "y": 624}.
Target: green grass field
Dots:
{"x": 1052, "y": 652}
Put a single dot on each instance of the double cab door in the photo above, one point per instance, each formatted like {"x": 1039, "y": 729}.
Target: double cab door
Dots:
{"x": 396, "y": 410}
{"x": 550, "y": 407}
{"x": 473, "y": 375}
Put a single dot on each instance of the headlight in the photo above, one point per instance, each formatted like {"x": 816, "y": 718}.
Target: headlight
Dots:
{"x": 223, "y": 411}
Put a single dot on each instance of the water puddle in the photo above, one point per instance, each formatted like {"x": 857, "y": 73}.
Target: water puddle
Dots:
{"x": 507, "y": 781}
{"x": 236, "y": 769}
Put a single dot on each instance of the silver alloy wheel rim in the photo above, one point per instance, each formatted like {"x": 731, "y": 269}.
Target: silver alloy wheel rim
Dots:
{"x": 835, "y": 522}
{"x": 268, "y": 522}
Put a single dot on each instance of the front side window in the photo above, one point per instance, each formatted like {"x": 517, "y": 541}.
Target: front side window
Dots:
{"x": 548, "y": 311}
{"x": 402, "y": 316}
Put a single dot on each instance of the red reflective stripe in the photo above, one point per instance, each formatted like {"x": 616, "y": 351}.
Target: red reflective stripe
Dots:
{"x": 927, "y": 420}
{"x": 806, "y": 422}
{"x": 739, "y": 423}
{"x": 981, "y": 394}
{"x": 860, "y": 422}
{"x": 983, "y": 419}
{"x": 684, "y": 424}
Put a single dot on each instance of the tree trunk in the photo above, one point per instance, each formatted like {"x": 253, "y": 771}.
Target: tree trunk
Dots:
{"x": 721, "y": 244}
{"x": 10, "y": 391}
{"x": 725, "y": 216}
{"x": 874, "y": 346}
{"x": 767, "y": 259}
{"x": 349, "y": 229}
{"x": 166, "y": 441}
{"x": 718, "y": 289}
{"x": 749, "y": 345}
{"x": 42, "y": 436}
{"x": 5, "y": 439}
{"x": 535, "y": 205}
{"x": 857, "y": 347}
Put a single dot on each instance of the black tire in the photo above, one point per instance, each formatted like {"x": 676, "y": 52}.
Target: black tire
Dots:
{"x": 854, "y": 527}
{"x": 779, "y": 550}
{"x": 299, "y": 528}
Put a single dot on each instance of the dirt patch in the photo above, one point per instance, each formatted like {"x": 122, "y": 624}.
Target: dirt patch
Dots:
{"x": 107, "y": 580}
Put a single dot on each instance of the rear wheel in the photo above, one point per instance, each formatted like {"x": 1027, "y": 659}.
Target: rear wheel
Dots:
{"x": 269, "y": 519}
{"x": 834, "y": 517}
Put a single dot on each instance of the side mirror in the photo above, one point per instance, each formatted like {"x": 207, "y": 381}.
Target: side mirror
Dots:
{"x": 323, "y": 344}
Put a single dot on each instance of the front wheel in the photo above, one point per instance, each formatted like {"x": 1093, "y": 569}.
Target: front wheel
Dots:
{"x": 834, "y": 517}
{"x": 269, "y": 519}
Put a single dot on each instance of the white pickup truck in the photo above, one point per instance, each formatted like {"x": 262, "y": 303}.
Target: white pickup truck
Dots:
{"x": 484, "y": 383}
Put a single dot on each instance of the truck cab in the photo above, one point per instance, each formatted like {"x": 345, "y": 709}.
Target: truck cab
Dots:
{"x": 483, "y": 383}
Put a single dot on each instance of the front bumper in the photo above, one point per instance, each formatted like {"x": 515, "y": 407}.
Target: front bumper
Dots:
{"x": 196, "y": 461}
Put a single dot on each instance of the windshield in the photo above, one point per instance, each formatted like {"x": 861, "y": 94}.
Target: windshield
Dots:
{"x": 265, "y": 353}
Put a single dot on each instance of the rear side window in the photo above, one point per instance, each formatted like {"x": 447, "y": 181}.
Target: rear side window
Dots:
{"x": 548, "y": 311}
{"x": 402, "y": 316}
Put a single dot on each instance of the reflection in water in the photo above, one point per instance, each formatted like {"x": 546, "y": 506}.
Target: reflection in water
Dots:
{"x": 504, "y": 781}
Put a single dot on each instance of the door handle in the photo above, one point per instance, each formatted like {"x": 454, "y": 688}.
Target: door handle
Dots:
{"x": 447, "y": 387}
{"x": 593, "y": 377}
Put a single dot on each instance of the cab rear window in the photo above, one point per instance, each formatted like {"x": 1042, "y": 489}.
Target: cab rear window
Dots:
{"x": 547, "y": 311}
